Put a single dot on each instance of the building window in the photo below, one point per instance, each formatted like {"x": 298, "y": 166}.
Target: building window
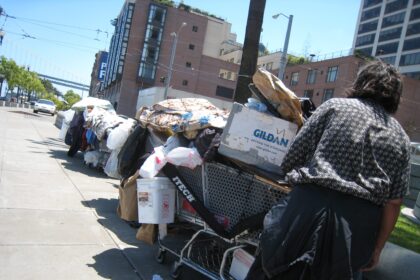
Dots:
{"x": 191, "y": 46}
{"x": 413, "y": 29}
{"x": 393, "y": 20}
{"x": 311, "y": 78}
{"x": 416, "y": 2}
{"x": 387, "y": 48}
{"x": 390, "y": 34}
{"x": 328, "y": 94}
{"x": 188, "y": 64}
{"x": 269, "y": 66}
{"x": 389, "y": 59}
{"x": 309, "y": 93}
{"x": 414, "y": 75}
{"x": 147, "y": 71}
{"x": 365, "y": 40}
{"x": 369, "y": 3}
{"x": 410, "y": 59}
{"x": 369, "y": 14}
{"x": 411, "y": 44}
{"x": 153, "y": 34}
{"x": 185, "y": 82}
{"x": 224, "y": 92}
{"x": 332, "y": 74}
{"x": 157, "y": 14}
{"x": 368, "y": 26}
{"x": 294, "y": 78}
{"x": 229, "y": 75}
{"x": 195, "y": 28}
{"x": 395, "y": 6}
{"x": 364, "y": 51}
{"x": 415, "y": 14}
{"x": 222, "y": 75}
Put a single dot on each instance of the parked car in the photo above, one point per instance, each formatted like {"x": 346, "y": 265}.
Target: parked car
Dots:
{"x": 45, "y": 105}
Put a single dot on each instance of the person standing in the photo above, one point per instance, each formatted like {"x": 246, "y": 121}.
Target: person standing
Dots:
{"x": 349, "y": 168}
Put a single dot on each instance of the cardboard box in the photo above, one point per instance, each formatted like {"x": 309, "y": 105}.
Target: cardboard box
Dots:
{"x": 256, "y": 138}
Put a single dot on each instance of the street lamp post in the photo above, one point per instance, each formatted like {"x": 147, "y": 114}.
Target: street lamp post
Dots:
{"x": 283, "y": 57}
{"x": 171, "y": 62}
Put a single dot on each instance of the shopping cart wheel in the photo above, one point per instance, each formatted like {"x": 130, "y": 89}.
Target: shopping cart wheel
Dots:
{"x": 160, "y": 255}
{"x": 176, "y": 270}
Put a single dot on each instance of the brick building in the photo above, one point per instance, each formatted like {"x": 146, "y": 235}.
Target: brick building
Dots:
{"x": 140, "y": 50}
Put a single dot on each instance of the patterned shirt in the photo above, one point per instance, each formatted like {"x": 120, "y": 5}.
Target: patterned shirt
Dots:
{"x": 353, "y": 146}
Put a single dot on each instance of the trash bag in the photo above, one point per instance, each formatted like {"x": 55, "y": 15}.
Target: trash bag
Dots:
{"x": 92, "y": 158}
{"x": 153, "y": 164}
{"x": 207, "y": 142}
{"x": 132, "y": 151}
{"x": 63, "y": 131}
{"x": 187, "y": 157}
{"x": 111, "y": 167}
{"x": 118, "y": 136}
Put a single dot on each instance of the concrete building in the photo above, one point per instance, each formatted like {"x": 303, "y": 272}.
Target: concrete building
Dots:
{"x": 390, "y": 30}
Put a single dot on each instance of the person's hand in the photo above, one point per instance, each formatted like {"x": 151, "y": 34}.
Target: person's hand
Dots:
{"x": 373, "y": 261}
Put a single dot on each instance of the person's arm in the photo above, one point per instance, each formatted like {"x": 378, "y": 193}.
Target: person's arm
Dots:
{"x": 306, "y": 141}
{"x": 390, "y": 214}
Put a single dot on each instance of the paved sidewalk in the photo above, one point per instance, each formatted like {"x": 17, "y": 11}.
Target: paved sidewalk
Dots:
{"x": 57, "y": 217}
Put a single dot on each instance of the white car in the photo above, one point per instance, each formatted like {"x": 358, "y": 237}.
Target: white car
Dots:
{"x": 45, "y": 105}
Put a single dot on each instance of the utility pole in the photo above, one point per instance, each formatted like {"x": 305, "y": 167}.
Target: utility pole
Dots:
{"x": 250, "y": 50}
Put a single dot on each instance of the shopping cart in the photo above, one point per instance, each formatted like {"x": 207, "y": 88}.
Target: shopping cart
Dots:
{"x": 229, "y": 206}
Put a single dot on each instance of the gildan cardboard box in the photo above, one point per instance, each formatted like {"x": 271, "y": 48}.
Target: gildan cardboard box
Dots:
{"x": 256, "y": 138}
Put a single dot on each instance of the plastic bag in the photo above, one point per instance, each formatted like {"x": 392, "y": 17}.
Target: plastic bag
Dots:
{"x": 68, "y": 116}
{"x": 92, "y": 157}
{"x": 111, "y": 167}
{"x": 257, "y": 105}
{"x": 187, "y": 157}
{"x": 118, "y": 136}
{"x": 153, "y": 164}
{"x": 63, "y": 131}
{"x": 175, "y": 141}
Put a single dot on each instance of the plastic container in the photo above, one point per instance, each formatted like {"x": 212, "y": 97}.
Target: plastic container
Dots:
{"x": 241, "y": 263}
{"x": 156, "y": 200}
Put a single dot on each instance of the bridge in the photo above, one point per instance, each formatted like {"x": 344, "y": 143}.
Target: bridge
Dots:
{"x": 65, "y": 83}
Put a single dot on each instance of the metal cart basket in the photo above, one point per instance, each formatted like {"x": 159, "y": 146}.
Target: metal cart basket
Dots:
{"x": 230, "y": 204}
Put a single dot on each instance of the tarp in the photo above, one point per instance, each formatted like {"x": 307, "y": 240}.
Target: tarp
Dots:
{"x": 87, "y": 101}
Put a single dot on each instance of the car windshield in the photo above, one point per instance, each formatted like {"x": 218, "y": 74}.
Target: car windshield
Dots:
{"x": 43, "y": 101}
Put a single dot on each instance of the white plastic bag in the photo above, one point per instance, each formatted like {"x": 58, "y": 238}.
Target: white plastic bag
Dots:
{"x": 68, "y": 116}
{"x": 92, "y": 157}
{"x": 153, "y": 163}
{"x": 63, "y": 130}
{"x": 111, "y": 167}
{"x": 188, "y": 157}
{"x": 118, "y": 136}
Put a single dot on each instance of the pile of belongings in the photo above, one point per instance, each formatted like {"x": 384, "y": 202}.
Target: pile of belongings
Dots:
{"x": 92, "y": 126}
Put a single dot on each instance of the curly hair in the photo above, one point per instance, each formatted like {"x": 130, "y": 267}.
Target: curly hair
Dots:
{"x": 380, "y": 82}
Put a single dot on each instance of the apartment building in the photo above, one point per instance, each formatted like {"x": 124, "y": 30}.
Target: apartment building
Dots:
{"x": 140, "y": 51}
{"x": 390, "y": 30}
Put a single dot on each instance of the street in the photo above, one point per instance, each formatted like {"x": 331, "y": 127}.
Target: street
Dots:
{"x": 57, "y": 217}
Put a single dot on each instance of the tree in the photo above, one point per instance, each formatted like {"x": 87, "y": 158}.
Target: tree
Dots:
{"x": 71, "y": 97}
{"x": 250, "y": 50}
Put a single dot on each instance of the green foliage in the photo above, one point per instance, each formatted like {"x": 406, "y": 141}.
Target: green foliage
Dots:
{"x": 19, "y": 77}
{"x": 71, "y": 98}
{"x": 168, "y": 3}
{"x": 406, "y": 234}
{"x": 293, "y": 60}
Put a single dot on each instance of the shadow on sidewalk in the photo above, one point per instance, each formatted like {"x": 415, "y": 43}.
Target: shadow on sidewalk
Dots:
{"x": 106, "y": 209}
{"x": 76, "y": 164}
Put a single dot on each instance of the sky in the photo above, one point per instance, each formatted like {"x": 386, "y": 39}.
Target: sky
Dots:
{"x": 60, "y": 38}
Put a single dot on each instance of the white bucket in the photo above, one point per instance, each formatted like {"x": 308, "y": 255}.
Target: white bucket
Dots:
{"x": 156, "y": 200}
